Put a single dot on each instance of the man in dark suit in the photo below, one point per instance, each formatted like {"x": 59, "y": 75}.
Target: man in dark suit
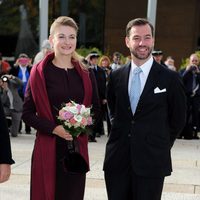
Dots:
{"x": 191, "y": 81}
{"x": 5, "y": 149}
{"x": 100, "y": 76}
{"x": 138, "y": 149}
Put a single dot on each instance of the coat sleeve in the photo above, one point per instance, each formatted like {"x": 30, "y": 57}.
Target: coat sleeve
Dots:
{"x": 177, "y": 107}
{"x": 30, "y": 116}
{"x": 110, "y": 93}
{"x": 5, "y": 148}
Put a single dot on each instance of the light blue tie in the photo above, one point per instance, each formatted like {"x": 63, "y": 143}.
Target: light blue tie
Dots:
{"x": 135, "y": 88}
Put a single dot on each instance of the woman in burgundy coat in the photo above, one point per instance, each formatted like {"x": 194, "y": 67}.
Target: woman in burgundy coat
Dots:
{"x": 58, "y": 78}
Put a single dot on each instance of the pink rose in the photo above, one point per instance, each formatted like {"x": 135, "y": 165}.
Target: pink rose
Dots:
{"x": 89, "y": 121}
{"x": 72, "y": 121}
{"x": 79, "y": 107}
{"x": 67, "y": 115}
{"x": 84, "y": 121}
{"x": 61, "y": 114}
{"x": 69, "y": 104}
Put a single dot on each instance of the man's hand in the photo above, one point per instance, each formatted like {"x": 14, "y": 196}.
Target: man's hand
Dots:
{"x": 104, "y": 101}
{"x": 192, "y": 68}
{"x": 5, "y": 171}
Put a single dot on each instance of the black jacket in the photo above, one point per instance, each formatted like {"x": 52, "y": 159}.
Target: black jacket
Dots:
{"x": 100, "y": 76}
{"x": 5, "y": 149}
{"x": 145, "y": 139}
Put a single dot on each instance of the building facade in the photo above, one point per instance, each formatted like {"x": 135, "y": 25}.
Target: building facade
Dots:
{"x": 177, "y": 26}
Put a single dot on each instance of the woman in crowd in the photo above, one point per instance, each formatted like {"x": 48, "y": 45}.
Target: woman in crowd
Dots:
{"x": 104, "y": 63}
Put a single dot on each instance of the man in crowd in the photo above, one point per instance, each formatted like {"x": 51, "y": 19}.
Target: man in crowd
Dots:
{"x": 191, "y": 80}
{"x": 100, "y": 76}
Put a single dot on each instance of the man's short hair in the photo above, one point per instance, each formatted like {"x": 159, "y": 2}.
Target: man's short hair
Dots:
{"x": 138, "y": 22}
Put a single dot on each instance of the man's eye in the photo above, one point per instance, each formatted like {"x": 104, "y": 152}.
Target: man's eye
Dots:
{"x": 61, "y": 36}
{"x": 72, "y": 37}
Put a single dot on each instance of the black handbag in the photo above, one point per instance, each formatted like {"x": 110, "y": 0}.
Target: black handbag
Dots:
{"x": 73, "y": 162}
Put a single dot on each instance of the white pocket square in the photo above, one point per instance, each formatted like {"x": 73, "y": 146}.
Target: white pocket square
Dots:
{"x": 158, "y": 90}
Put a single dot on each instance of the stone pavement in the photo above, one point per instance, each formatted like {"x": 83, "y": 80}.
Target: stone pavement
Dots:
{"x": 183, "y": 184}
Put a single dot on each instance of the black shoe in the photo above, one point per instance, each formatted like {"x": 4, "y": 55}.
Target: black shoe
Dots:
{"x": 188, "y": 137}
{"x": 196, "y": 137}
{"x": 14, "y": 135}
{"x": 98, "y": 135}
{"x": 92, "y": 140}
{"x": 180, "y": 137}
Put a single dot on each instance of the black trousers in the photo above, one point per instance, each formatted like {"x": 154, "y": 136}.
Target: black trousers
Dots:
{"x": 127, "y": 185}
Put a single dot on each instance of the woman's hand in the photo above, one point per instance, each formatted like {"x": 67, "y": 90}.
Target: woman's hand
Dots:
{"x": 5, "y": 171}
{"x": 61, "y": 132}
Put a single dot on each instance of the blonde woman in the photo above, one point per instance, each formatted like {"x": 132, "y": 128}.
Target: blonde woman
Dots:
{"x": 57, "y": 79}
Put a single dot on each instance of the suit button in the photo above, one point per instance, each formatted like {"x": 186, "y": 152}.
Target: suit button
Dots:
{"x": 129, "y": 108}
{"x": 132, "y": 122}
{"x": 129, "y": 135}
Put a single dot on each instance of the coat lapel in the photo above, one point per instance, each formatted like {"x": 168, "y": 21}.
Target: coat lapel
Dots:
{"x": 125, "y": 79}
{"x": 151, "y": 82}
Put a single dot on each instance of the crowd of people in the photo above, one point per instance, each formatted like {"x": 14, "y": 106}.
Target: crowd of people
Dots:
{"x": 143, "y": 104}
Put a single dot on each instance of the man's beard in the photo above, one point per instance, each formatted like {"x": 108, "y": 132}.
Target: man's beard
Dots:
{"x": 140, "y": 56}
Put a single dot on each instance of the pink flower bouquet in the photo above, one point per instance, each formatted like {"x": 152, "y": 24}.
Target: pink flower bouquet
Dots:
{"x": 75, "y": 118}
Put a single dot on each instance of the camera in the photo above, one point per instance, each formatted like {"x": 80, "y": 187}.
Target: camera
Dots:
{"x": 193, "y": 68}
{"x": 4, "y": 78}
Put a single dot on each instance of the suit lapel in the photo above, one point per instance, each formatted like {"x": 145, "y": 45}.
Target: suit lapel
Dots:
{"x": 152, "y": 80}
{"x": 125, "y": 79}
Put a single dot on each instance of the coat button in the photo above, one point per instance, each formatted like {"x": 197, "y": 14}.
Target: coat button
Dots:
{"x": 132, "y": 122}
{"x": 129, "y": 135}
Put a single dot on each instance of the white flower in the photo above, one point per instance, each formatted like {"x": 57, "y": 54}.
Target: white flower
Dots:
{"x": 78, "y": 118}
{"x": 73, "y": 110}
{"x": 85, "y": 111}
{"x": 67, "y": 124}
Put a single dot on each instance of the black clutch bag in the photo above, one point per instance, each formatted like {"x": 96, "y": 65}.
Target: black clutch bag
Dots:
{"x": 73, "y": 162}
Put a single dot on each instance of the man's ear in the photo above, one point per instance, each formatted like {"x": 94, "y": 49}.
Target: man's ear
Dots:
{"x": 127, "y": 41}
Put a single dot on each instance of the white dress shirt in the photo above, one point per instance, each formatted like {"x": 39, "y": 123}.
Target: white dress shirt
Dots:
{"x": 143, "y": 75}
{"x": 24, "y": 79}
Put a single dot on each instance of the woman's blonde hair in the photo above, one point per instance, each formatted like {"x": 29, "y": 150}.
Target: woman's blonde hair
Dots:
{"x": 104, "y": 58}
{"x": 68, "y": 21}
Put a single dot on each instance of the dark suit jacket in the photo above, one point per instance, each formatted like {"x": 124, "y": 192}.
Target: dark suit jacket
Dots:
{"x": 5, "y": 149}
{"x": 100, "y": 76}
{"x": 188, "y": 82}
{"x": 145, "y": 139}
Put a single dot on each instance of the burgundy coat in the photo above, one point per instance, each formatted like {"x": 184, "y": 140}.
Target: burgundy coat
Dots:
{"x": 44, "y": 154}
